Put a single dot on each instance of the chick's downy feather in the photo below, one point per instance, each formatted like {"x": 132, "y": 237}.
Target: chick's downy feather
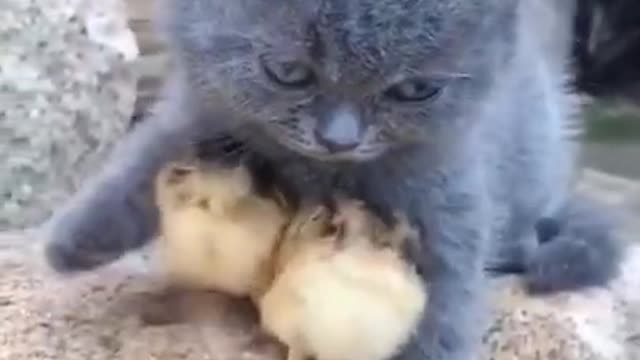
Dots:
{"x": 216, "y": 232}
{"x": 338, "y": 294}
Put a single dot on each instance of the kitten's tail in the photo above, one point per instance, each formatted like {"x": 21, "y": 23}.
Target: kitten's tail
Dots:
{"x": 577, "y": 249}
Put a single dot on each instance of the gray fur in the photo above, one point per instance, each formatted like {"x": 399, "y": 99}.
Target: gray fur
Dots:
{"x": 582, "y": 253}
{"x": 474, "y": 166}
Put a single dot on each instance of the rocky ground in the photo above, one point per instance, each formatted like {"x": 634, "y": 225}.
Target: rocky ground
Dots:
{"x": 67, "y": 91}
{"x": 124, "y": 312}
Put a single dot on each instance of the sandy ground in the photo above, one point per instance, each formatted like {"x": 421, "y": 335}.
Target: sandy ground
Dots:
{"x": 119, "y": 312}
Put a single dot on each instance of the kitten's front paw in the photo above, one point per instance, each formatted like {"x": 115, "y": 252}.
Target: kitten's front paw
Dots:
{"x": 571, "y": 263}
{"x": 94, "y": 234}
{"x": 577, "y": 250}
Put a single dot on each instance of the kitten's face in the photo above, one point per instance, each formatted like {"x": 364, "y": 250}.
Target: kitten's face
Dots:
{"x": 343, "y": 79}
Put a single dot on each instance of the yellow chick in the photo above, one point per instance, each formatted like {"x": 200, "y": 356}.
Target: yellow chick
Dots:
{"x": 216, "y": 232}
{"x": 342, "y": 290}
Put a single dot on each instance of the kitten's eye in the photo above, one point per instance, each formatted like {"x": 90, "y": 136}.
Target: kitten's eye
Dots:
{"x": 411, "y": 90}
{"x": 289, "y": 73}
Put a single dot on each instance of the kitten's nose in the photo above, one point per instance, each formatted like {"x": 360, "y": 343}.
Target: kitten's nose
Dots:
{"x": 340, "y": 131}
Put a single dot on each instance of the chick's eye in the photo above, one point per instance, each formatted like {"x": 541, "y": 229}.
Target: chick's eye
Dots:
{"x": 289, "y": 73}
{"x": 412, "y": 90}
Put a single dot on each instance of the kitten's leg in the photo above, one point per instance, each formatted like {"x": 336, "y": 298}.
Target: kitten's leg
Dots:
{"x": 578, "y": 249}
{"x": 454, "y": 232}
{"x": 573, "y": 248}
{"x": 114, "y": 212}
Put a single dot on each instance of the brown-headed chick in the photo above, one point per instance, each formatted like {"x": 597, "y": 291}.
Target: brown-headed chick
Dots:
{"x": 217, "y": 233}
{"x": 342, "y": 289}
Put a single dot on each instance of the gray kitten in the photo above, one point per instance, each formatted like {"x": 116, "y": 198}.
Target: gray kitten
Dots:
{"x": 454, "y": 111}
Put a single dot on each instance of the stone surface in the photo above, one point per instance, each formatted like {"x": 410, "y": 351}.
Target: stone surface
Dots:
{"x": 66, "y": 93}
{"x": 124, "y": 311}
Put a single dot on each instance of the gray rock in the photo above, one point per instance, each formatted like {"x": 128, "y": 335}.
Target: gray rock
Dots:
{"x": 66, "y": 93}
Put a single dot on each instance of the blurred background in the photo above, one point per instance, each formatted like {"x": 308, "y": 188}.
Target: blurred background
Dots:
{"x": 76, "y": 74}
{"x": 607, "y": 59}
